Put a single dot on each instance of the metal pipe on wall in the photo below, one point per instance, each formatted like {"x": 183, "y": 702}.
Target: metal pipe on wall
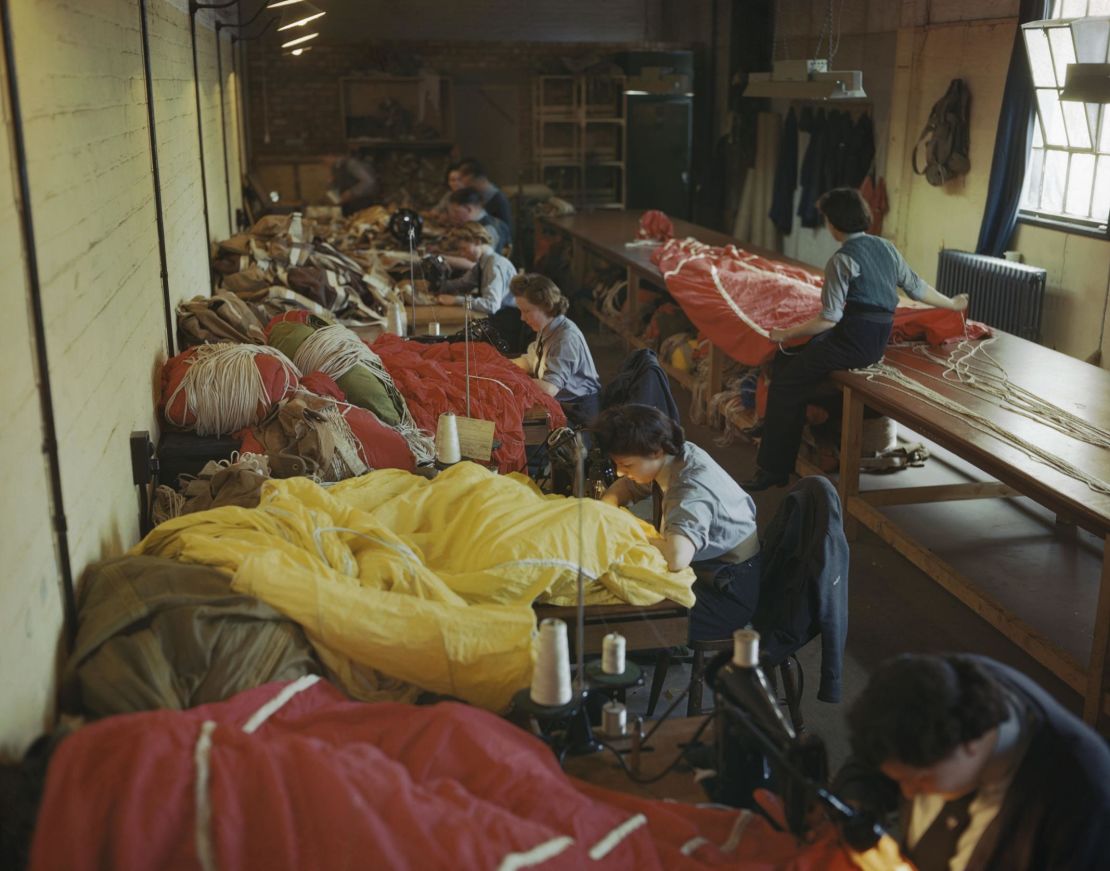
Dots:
{"x": 34, "y": 288}
{"x": 193, "y": 8}
{"x": 157, "y": 178}
{"x": 223, "y": 130}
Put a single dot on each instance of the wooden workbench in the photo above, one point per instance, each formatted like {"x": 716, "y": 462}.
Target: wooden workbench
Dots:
{"x": 606, "y": 234}
{"x": 1077, "y": 387}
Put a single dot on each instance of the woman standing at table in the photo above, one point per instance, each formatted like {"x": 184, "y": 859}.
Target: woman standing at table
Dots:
{"x": 559, "y": 360}
{"x": 707, "y": 521}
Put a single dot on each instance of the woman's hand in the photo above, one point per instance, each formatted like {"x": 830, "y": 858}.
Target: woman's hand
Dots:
{"x": 959, "y": 302}
{"x": 777, "y": 335}
{"x": 447, "y": 299}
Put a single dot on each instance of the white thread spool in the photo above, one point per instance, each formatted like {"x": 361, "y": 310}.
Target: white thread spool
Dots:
{"x": 614, "y": 719}
{"x": 433, "y": 328}
{"x": 551, "y": 677}
{"x": 612, "y": 653}
{"x": 745, "y": 648}
{"x": 395, "y": 319}
{"x": 447, "y": 439}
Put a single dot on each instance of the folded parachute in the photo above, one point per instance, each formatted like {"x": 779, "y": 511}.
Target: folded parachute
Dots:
{"x": 735, "y": 298}
{"x": 403, "y": 582}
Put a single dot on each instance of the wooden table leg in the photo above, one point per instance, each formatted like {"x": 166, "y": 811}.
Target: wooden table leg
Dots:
{"x": 632, "y": 304}
{"x": 1096, "y": 669}
{"x": 851, "y": 441}
{"x": 716, "y": 375}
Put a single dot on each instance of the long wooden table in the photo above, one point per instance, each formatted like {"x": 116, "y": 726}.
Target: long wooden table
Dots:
{"x": 606, "y": 234}
{"x": 1078, "y": 387}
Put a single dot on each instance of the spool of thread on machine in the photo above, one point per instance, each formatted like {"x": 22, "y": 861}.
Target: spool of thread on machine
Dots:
{"x": 614, "y": 719}
{"x": 612, "y": 653}
{"x": 395, "y": 319}
{"x": 433, "y": 328}
{"x": 551, "y": 677}
{"x": 447, "y": 441}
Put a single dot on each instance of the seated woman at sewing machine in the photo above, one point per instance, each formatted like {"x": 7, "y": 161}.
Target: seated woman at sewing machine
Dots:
{"x": 707, "y": 521}
{"x": 559, "y": 360}
{"x": 489, "y": 274}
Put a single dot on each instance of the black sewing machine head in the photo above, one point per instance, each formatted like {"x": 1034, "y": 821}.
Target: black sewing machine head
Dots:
{"x": 434, "y": 270}
{"x": 406, "y": 226}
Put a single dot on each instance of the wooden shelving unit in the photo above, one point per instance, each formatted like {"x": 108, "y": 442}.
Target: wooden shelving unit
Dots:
{"x": 580, "y": 147}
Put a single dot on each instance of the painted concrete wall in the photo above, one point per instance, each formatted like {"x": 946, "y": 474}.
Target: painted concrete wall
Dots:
{"x": 79, "y": 70}
{"x": 909, "y": 52}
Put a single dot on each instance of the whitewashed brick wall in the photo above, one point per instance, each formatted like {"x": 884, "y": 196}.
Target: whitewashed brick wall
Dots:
{"x": 80, "y": 75}
{"x": 30, "y": 604}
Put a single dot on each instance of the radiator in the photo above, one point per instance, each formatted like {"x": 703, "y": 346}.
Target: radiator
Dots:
{"x": 1001, "y": 293}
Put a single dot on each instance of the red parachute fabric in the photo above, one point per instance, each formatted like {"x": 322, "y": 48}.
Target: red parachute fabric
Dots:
{"x": 321, "y": 782}
{"x": 736, "y": 297}
{"x": 275, "y": 379}
{"x": 432, "y": 378}
{"x": 654, "y": 224}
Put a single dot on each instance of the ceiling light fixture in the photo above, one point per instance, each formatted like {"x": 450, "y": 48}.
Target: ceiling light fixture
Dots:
{"x": 299, "y": 40}
{"x": 806, "y": 80}
{"x": 300, "y": 16}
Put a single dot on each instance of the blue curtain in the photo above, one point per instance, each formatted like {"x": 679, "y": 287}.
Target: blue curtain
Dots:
{"x": 1011, "y": 143}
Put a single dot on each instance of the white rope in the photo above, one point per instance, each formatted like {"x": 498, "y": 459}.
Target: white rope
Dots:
{"x": 537, "y": 855}
{"x": 987, "y": 378}
{"x": 206, "y": 851}
{"x": 607, "y": 844}
{"x": 904, "y": 384}
{"x": 278, "y": 702}
{"x": 224, "y": 390}
{"x": 335, "y": 350}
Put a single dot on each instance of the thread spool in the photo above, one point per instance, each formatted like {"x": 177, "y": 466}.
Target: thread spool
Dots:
{"x": 551, "y": 677}
{"x": 612, "y": 653}
{"x": 433, "y": 328}
{"x": 395, "y": 319}
{"x": 614, "y": 719}
{"x": 447, "y": 440}
{"x": 745, "y": 648}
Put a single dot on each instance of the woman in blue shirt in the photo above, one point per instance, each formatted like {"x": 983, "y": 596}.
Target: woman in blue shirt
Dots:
{"x": 707, "y": 522}
{"x": 857, "y": 314}
{"x": 559, "y": 360}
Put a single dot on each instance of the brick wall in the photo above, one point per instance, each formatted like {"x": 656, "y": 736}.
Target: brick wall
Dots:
{"x": 81, "y": 81}
{"x": 30, "y": 604}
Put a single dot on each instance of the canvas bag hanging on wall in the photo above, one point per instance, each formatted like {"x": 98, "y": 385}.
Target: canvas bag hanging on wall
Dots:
{"x": 946, "y": 137}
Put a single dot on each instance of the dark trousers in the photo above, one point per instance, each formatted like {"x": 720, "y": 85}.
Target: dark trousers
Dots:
{"x": 727, "y": 596}
{"x": 854, "y": 342}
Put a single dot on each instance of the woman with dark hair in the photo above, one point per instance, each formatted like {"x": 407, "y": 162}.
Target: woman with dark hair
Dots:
{"x": 706, "y": 520}
{"x": 983, "y": 768}
{"x": 559, "y": 360}
{"x": 454, "y": 182}
{"x": 857, "y": 315}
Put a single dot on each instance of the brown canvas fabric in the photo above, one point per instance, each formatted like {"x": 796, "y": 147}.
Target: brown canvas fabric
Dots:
{"x": 220, "y": 318}
{"x": 154, "y": 633}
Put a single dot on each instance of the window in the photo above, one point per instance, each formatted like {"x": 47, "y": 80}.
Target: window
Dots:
{"x": 1067, "y": 181}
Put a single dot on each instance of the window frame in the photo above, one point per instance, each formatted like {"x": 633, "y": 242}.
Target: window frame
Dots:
{"x": 1098, "y": 228}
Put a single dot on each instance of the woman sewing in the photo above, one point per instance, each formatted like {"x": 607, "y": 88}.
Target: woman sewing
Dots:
{"x": 559, "y": 360}
{"x": 707, "y": 521}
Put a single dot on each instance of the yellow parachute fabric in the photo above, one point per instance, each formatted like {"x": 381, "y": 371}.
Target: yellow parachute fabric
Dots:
{"x": 403, "y": 582}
